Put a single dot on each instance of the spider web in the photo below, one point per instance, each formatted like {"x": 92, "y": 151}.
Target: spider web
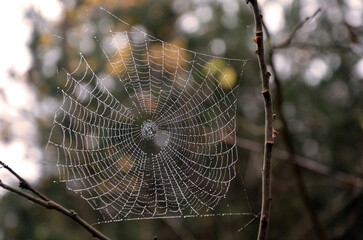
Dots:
{"x": 158, "y": 144}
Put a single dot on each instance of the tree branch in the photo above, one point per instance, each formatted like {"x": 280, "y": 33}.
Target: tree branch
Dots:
{"x": 306, "y": 163}
{"x": 266, "y": 169}
{"x": 296, "y": 29}
{"x": 44, "y": 201}
{"x": 23, "y": 183}
{"x": 288, "y": 139}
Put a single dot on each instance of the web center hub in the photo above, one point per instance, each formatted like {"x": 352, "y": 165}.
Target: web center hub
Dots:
{"x": 149, "y": 129}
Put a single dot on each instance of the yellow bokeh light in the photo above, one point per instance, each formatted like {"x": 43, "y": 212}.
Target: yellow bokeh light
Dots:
{"x": 173, "y": 52}
{"x": 146, "y": 98}
{"x": 125, "y": 163}
{"x": 45, "y": 39}
{"x": 118, "y": 62}
{"x": 214, "y": 66}
{"x": 228, "y": 78}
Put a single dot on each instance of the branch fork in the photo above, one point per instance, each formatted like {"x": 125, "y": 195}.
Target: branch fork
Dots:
{"x": 44, "y": 201}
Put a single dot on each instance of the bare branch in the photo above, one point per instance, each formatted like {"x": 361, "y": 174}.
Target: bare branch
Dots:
{"x": 23, "y": 183}
{"x": 306, "y": 163}
{"x": 288, "y": 139}
{"x": 47, "y": 203}
{"x": 266, "y": 169}
{"x": 288, "y": 40}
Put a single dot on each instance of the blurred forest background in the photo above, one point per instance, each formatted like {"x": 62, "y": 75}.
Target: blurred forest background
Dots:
{"x": 318, "y": 155}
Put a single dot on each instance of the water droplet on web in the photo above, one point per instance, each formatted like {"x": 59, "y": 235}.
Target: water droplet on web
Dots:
{"x": 149, "y": 129}
{"x": 142, "y": 116}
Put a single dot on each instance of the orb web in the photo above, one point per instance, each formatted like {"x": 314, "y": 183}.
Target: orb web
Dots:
{"x": 161, "y": 141}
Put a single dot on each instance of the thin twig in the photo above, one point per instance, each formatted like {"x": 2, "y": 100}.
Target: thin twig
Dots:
{"x": 306, "y": 163}
{"x": 332, "y": 210}
{"x": 47, "y": 203}
{"x": 266, "y": 169}
{"x": 23, "y": 183}
{"x": 287, "y": 138}
{"x": 296, "y": 29}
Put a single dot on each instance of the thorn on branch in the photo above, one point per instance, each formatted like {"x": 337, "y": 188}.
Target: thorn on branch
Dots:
{"x": 72, "y": 212}
{"x": 23, "y": 185}
{"x": 258, "y": 36}
{"x": 50, "y": 204}
{"x": 265, "y": 92}
{"x": 276, "y": 133}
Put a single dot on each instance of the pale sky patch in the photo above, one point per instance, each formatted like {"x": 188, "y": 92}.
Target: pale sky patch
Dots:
{"x": 274, "y": 16}
{"x": 18, "y": 100}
